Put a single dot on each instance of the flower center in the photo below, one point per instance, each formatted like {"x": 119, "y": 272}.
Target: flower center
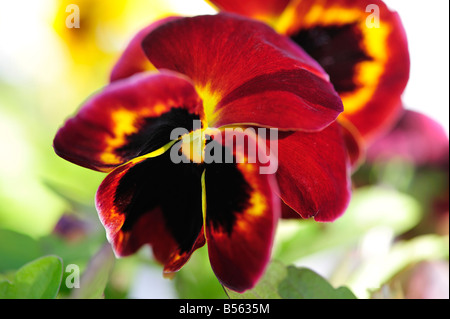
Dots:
{"x": 193, "y": 145}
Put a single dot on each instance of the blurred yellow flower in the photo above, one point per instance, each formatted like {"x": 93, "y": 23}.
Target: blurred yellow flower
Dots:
{"x": 95, "y": 31}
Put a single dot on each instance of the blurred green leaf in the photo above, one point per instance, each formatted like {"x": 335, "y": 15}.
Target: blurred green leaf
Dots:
{"x": 96, "y": 276}
{"x": 16, "y": 249}
{"x": 72, "y": 183}
{"x": 281, "y": 282}
{"x": 39, "y": 279}
{"x": 370, "y": 207}
{"x": 303, "y": 283}
{"x": 79, "y": 251}
{"x": 373, "y": 272}
{"x": 267, "y": 287}
{"x": 396, "y": 172}
{"x": 28, "y": 206}
{"x": 196, "y": 280}
{"x": 122, "y": 276}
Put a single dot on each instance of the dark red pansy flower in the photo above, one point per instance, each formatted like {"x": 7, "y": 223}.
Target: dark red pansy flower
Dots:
{"x": 210, "y": 74}
{"x": 361, "y": 44}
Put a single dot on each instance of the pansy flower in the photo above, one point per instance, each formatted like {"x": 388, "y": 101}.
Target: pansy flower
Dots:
{"x": 205, "y": 75}
{"x": 361, "y": 44}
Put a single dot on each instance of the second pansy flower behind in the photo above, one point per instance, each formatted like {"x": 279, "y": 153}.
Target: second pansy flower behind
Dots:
{"x": 210, "y": 74}
{"x": 361, "y": 44}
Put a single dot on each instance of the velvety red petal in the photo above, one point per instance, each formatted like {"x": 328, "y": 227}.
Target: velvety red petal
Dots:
{"x": 277, "y": 105}
{"x": 362, "y": 45}
{"x": 288, "y": 213}
{"x": 265, "y": 10}
{"x": 153, "y": 201}
{"x": 128, "y": 118}
{"x": 245, "y": 63}
{"x": 133, "y": 59}
{"x": 314, "y": 173}
{"x": 242, "y": 209}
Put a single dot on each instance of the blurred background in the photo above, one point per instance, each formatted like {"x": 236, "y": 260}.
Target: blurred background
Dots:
{"x": 392, "y": 242}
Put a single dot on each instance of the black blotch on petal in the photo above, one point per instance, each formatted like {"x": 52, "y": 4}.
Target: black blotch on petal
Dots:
{"x": 154, "y": 132}
{"x": 338, "y": 49}
{"x": 227, "y": 192}
{"x": 175, "y": 188}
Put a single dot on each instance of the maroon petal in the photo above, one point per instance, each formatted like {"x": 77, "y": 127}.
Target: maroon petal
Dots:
{"x": 153, "y": 201}
{"x": 128, "y": 118}
{"x": 248, "y": 74}
{"x": 314, "y": 173}
{"x": 242, "y": 209}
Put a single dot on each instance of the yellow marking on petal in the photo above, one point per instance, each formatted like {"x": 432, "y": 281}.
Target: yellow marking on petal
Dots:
{"x": 210, "y": 100}
{"x": 159, "y": 151}
{"x": 193, "y": 145}
{"x": 158, "y": 109}
{"x": 258, "y": 202}
{"x": 155, "y": 153}
{"x": 124, "y": 122}
{"x": 331, "y": 16}
{"x": 284, "y": 21}
{"x": 109, "y": 158}
{"x": 204, "y": 199}
{"x": 148, "y": 66}
{"x": 271, "y": 20}
{"x": 317, "y": 15}
{"x": 124, "y": 125}
{"x": 368, "y": 73}
{"x": 258, "y": 206}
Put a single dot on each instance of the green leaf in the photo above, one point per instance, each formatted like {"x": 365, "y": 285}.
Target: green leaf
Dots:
{"x": 196, "y": 280}
{"x": 267, "y": 287}
{"x": 303, "y": 283}
{"x": 73, "y": 252}
{"x": 96, "y": 276}
{"x": 39, "y": 279}
{"x": 17, "y": 249}
{"x": 281, "y": 282}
